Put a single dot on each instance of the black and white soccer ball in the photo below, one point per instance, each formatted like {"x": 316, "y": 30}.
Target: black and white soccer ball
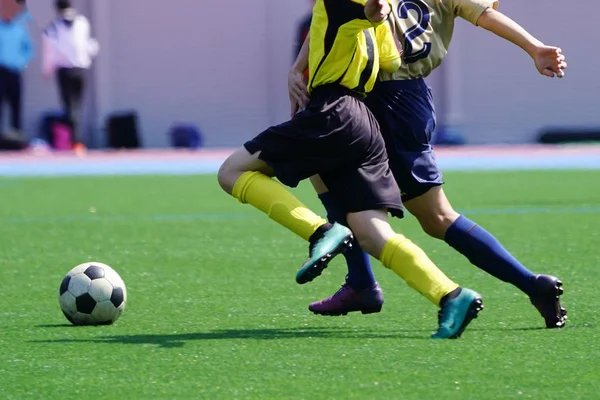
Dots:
{"x": 92, "y": 294}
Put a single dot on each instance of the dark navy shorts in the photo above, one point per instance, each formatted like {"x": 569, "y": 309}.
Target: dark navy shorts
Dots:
{"x": 406, "y": 115}
{"x": 337, "y": 138}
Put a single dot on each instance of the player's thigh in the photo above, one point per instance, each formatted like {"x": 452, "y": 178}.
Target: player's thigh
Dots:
{"x": 372, "y": 230}
{"x": 236, "y": 164}
{"x": 416, "y": 172}
{"x": 405, "y": 112}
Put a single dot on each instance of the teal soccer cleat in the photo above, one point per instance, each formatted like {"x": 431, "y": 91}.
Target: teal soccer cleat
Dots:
{"x": 322, "y": 250}
{"x": 457, "y": 313}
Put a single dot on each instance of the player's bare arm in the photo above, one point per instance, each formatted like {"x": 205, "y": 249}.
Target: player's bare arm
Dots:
{"x": 296, "y": 86}
{"x": 549, "y": 60}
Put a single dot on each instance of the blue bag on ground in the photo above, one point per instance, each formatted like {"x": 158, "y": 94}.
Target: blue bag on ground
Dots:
{"x": 186, "y": 136}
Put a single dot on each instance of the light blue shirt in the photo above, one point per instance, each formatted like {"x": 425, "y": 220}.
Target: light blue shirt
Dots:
{"x": 16, "y": 48}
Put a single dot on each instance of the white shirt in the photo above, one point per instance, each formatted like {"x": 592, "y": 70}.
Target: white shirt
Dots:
{"x": 68, "y": 44}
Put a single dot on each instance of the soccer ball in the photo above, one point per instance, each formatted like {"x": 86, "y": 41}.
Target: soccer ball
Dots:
{"x": 92, "y": 294}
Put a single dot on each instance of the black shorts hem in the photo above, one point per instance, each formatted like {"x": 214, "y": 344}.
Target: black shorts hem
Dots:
{"x": 251, "y": 147}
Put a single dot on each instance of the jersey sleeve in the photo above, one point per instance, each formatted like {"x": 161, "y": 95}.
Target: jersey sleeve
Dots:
{"x": 389, "y": 49}
{"x": 471, "y": 10}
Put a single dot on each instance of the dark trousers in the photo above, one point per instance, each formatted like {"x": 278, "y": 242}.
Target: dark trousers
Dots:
{"x": 10, "y": 92}
{"x": 71, "y": 82}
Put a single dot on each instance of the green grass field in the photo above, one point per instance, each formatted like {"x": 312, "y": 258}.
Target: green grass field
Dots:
{"x": 214, "y": 311}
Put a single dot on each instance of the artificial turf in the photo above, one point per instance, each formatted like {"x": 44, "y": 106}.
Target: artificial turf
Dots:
{"x": 214, "y": 311}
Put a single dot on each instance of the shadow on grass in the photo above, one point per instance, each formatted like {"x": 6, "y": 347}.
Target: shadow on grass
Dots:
{"x": 56, "y": 326}
{"x": 507, "y": 329}
{"x": 178, "y": 340}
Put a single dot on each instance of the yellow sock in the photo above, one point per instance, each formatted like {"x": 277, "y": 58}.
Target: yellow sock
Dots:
{"x": 411, "y": 263}
{"x": 277, "y": 202}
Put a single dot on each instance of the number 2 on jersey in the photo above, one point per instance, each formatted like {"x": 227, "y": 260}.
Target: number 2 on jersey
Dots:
{"x": 411, "y": 54}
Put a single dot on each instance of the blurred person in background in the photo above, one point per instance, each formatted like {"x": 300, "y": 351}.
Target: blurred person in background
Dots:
{"x": 67, "y": 52}
{"x": 16, "y": 51}
{"x": 302, "y": 33}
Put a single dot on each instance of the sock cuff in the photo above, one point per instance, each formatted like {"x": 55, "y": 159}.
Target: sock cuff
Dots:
{"x": 240, "y": 187}
{"x": 462, "y": 224}
{"x": 390, "y": 247}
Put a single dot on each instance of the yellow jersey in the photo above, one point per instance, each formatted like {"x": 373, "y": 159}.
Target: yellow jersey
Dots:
{"x": 346, "y": 48}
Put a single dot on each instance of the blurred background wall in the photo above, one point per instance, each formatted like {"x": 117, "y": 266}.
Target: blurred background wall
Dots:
{"x": 223, "y": 66}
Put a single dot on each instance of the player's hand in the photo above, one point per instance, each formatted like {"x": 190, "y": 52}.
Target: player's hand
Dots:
{"x": 550, "y": 61}
{"x": 297, "y": 91}
{"x": 377, "y": 10}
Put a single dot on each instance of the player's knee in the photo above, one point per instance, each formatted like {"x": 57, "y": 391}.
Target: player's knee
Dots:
{"x": 433, "y": 211}
{"x": 437, "y": 223}
{"x": 227, "y": 176}
{"x": 370, "y": 239}
{"x": 366, "y": 242}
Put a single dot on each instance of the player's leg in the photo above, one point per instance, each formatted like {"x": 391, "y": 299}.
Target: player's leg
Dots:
{"x": 360, "y": 275}
{"x": 360, "y": 292}
{"x": 482, "y": 249}
{"x": 405, "y": 112}
{"x": 367, "y": 213}
{"x": 247, "y": 176}
{"x": 458, "y": 306}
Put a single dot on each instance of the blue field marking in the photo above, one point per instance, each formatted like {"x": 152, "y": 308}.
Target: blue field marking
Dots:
{"x": 519, "y": 163}
{"x": 448, "y": 163}
{"x": 532, "y": 210}
{"x": 127, "y": 218}
{"x": 246, "y": 216}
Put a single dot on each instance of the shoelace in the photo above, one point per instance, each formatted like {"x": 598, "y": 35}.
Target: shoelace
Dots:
{"x": 342, "y": 289}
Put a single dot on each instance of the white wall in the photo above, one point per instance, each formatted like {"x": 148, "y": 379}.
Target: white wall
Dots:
{"x": 503, "y": 98}
{"x": 223, "y": 66}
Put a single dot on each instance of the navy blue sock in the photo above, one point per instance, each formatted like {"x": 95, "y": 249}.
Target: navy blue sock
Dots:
{"x": 485, "y": 252}
{"x": 360, "y": 276}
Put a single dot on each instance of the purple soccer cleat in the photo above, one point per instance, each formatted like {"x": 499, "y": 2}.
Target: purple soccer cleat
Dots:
{"x": 345, "y": 300}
